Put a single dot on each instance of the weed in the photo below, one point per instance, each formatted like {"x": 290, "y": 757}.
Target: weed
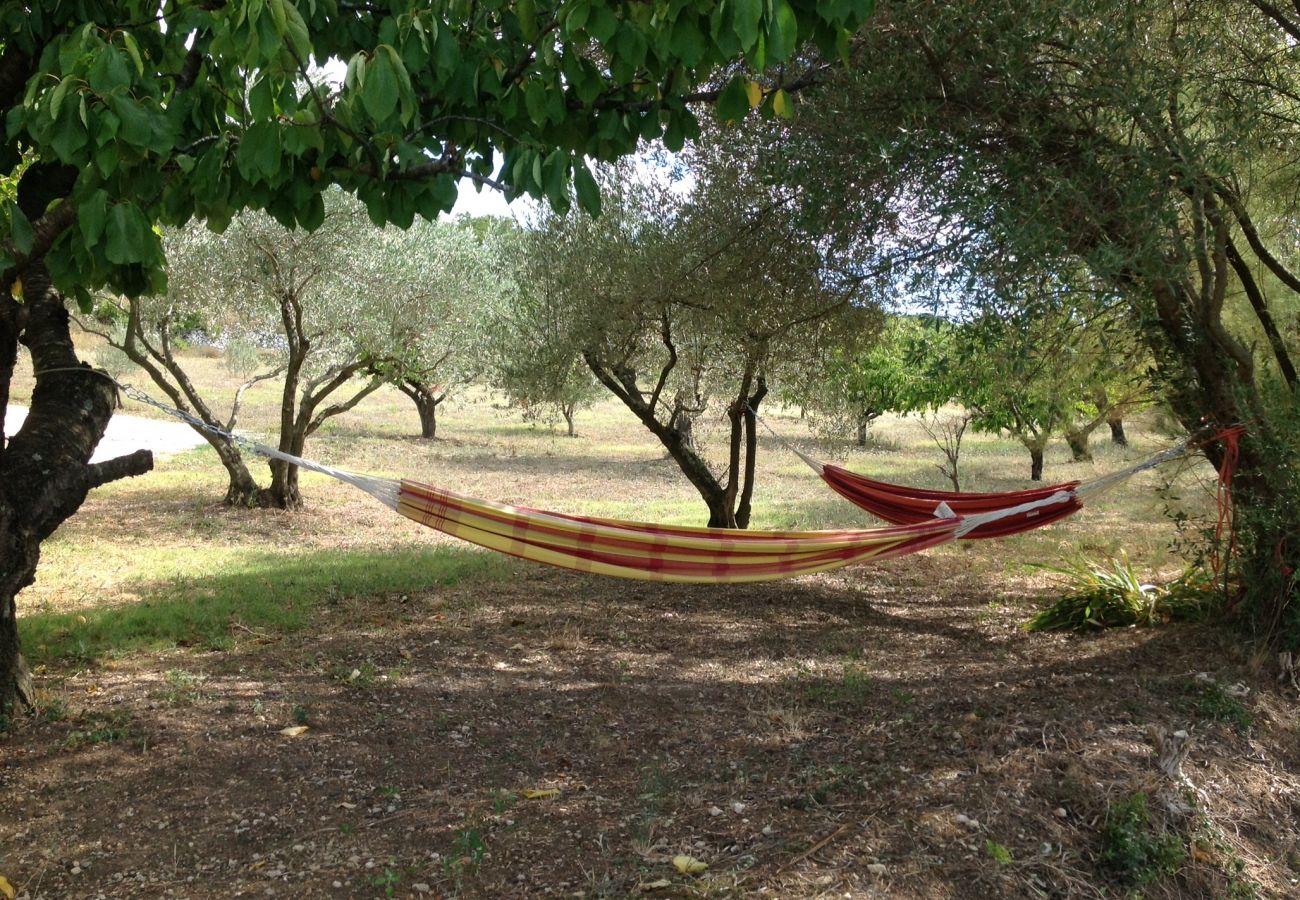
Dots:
{"x": 347, "y": 828}
{"x": 53, "y": 709}
{"x": 300, "y": 715}
{"x": 182, "y": 686}
{"x": 387, "y": 881}
{"x": 997, "y": 852}
{"x": 502, "y": 800}
{"x": 1216, "y": 703}
{"x": 853, "y": 687}
{"x": 362, "y": 677}
{"x": 1131, "y": 847}
{"x": 467, "y": 850}
{"x": 1111, "y": 595}
{"x": 101, "y": 728}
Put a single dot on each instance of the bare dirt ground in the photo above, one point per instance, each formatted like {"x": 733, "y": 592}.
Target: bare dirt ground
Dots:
{"x": 879, "y": 733}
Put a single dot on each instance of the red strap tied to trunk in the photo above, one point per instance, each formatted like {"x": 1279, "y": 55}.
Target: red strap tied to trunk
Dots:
{"x": 1230, "y": 438}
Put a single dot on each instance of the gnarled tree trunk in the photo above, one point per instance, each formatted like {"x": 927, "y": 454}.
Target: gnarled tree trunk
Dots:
{"x": 45, "y": 472}
{"x": 426, "y": 399}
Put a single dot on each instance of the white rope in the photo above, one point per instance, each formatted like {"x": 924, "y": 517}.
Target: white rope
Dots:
{"x": 812, "y": 463}
{"x": 384, "y": 490}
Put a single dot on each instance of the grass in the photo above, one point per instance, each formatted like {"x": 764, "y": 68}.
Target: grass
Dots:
{"x": 261, "y": 591}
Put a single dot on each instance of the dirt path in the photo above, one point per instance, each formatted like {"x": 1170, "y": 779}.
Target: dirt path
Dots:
{"x": 126, "y": 434}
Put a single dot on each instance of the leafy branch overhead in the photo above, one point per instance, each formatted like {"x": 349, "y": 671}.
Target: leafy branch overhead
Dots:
{"x": 167, "y": 113}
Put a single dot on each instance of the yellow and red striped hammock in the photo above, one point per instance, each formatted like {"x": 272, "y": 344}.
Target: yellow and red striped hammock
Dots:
{"x": 648, "y": 552}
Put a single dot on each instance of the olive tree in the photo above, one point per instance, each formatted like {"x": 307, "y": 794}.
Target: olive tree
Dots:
{"x": 685, "y": 304}
{"x": 428, "y": 324}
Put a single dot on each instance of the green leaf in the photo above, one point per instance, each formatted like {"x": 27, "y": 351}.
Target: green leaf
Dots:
{"x": 85, "y": 302}
{"x": 130, "y": 239}
{"x": 69, "y": 136}
{"x": 133, "y": 50}
{"x": 602, "y": 24}
{"x": 733, "y": 102}
{"x": 313, "y": 215}
{"x": 261, "y": 102}
{"x": 380, "y": 92}
{"x": 535, "y": 100}
{"x": 258, "y": 156}
{"x": 745, "y": 16}
{"x": 91, "y": 215}
{"x": 56, "y": 97}
{"x": 20, "y": 230}
{"x": 783, "y": 34}
{"x": 526, "y": 13}
{"x": 687, "y": 40}
{"x": 588, "y": 190}
{"x": 108, "y": 71}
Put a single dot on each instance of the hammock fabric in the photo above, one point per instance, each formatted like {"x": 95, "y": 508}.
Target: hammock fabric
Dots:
{"x": 656, "y": 552}
{"x": 902, "y": 505}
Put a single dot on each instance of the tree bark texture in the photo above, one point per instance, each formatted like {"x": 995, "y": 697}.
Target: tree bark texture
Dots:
{"x": 45, "y": 472}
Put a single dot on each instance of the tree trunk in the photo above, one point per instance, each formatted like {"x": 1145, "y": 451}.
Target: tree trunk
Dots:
{"x": 686, "y": 428}
{"x": 1078, "y": 442}
{"x": 622, "y": 384}
{"x": 1035, "y": 463}
{"x": 18, "y": 563}
{"x": 426, "y": 400}
{"x": 567, "y": 410}
{"x": 283, "y": 492}
{"x": 1117, "y": 435}
{"x": 862, "y": 432}
{"x": 45, "y": 471}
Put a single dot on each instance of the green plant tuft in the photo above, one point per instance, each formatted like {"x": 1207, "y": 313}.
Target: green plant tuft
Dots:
{"x": 1111, "y": 595}
{"x": 1132, "y": 849}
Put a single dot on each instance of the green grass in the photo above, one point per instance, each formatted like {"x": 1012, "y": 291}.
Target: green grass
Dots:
{"x": 264, "y": 591}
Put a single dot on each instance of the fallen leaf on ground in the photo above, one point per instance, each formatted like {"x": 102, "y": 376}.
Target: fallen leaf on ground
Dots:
{"x": 661, "y": 884}
{"x": 294, "y": 730}
{"x": 6, "y": 889}
{"x": 539, "y": 793}
{"x": 689, "y": 865}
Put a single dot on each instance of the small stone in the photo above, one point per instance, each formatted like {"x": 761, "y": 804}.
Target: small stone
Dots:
{"x": 767, "y": 829}
{"x": 1060, "y": 812}
{"x": 877, "y": 869}
{"x": 737, "y": 807}
{"x": 76, "y": 870}
{"x": 714, "y": 811}
{"x": 338, "y": 884}
{"x": 421, "y": 888}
